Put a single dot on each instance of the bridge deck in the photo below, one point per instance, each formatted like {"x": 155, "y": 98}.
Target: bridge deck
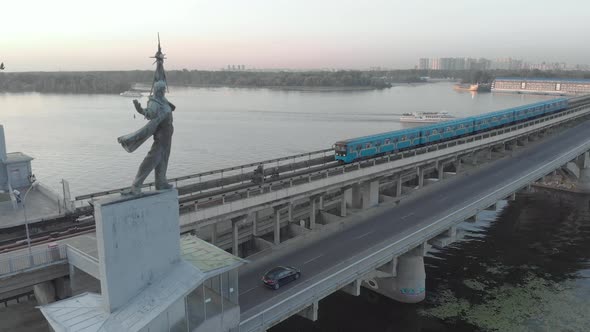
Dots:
{"x": 319, "y": 260}
{"x": 38, "y": 205}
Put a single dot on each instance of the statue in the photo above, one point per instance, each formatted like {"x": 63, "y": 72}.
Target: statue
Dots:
{"x": 159, "y": 113}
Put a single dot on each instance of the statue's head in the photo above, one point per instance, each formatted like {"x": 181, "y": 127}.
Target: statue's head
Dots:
{"x": 159, "y": 88}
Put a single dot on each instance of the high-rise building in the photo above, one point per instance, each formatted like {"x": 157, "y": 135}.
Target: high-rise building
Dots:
{"x": 424, "y": 63}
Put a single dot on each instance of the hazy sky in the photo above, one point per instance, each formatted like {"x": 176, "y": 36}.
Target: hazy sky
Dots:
{"x": 52, "y": 35}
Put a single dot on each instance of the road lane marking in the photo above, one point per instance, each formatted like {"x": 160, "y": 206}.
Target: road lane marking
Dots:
{"x": 313, "y": 259}
{"x": 363, "y": 235}
{"x": 250, "y": 289}
{"x": 409, "y": 215}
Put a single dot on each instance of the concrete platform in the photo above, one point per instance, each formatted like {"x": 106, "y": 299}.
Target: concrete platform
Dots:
{"x": 39, "y": 206}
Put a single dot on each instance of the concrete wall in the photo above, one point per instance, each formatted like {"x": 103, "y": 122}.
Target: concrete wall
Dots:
{"x": 140, "y": 242}
{"x": 2, "y": 145}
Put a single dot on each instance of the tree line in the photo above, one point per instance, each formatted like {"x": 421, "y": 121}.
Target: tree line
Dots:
{"x": 111, "y": 82}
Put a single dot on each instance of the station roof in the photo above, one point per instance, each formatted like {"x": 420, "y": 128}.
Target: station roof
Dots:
{"x": 208, "y": 258}
{"x": 17, "y": 157}
{"x": 85, "y": 312}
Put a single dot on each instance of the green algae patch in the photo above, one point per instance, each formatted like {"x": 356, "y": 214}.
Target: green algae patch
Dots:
{"x": 536, "y": 304}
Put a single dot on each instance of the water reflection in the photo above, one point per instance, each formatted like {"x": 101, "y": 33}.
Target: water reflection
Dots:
{"x": 525, "y": 268}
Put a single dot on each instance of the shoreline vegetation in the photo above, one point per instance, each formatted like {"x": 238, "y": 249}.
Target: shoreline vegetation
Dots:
{"x": 115, "y": 82}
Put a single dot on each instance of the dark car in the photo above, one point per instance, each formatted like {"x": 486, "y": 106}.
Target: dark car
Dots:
{"x": 280, "y": 275}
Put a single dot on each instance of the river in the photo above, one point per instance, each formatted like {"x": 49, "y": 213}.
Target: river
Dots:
{"x": 73, "y": 137}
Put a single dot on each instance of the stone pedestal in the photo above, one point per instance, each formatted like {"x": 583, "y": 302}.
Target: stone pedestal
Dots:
{"x": 138, "y": 240}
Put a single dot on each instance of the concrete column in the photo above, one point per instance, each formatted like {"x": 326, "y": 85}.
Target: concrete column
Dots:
{"x": 457, "y": 164}
{"x": 290, "y": 212}
{"x": 62, "y": 288}
{"x": 347, "y": 195}
{"x": 441, "y": 172}
{"x": 398, "y": 187}
{"x": 235, "y": 238}
{"x": 474, "y": 158}
{"x": 343, "y": 207}
{"x": 310, "y": 312}
{"x": 370, "y": 194}
{"x": 312, "y": 212}
{"x": 44, "y": 292}
{"x": 353, "y": 288}
{"x": 409, "y": 284}
{"x": 490, "y": 154}
{"x": 584, "y": 180}
{"x": 321, "y": 203}
{"x": 357, "y": 196}
{"x": 254, "y": 217}
{"x": 214, "y": 234}
{"x": 420, "y": 177}
{"x": 277, "y": 228}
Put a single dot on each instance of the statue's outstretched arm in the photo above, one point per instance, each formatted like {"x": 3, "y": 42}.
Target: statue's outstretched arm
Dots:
{"x": 138, "y": 107}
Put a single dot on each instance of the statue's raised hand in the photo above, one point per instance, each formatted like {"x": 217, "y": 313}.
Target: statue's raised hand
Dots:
{"x": 138, "y": 107}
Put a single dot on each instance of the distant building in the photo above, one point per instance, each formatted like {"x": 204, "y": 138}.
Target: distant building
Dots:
{"x": 424, "y": 63}
{"x": 554, "y": 86}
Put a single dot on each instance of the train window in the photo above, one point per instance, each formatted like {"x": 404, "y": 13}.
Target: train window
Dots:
{"x": 386, "y": 141}
{"x": 359, "y": 147}
{"x": 448, "y": 129}
{"x": 404, "y": 138}
{"x": 368, "y": 145}
{"x": 377, "y": 143}
{"x": 434, "y": 131}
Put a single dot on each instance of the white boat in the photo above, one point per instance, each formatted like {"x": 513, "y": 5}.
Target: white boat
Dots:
{"x": 131, "y": 93}
{"x": 426, "y": 117}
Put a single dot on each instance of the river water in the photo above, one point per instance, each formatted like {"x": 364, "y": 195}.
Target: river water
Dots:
{"x": 73, "y": 137}
{"x": 522, "y": 268}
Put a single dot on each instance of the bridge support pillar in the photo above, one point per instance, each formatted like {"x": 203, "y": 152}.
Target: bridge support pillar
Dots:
{"x": 441, "y": 172}
{"x": 357, "y": 196}
{"x": 235, "y": 226}
{"x": 343, "y": 207}
{"x": 398, "y": 187}
{"x": 45, "y": 292}
{"x": 353, "y": 288}
{"x": 254, "y": 217}
{"x": 409, "y": 284}
{"x": 214, "y": 234}
{"x": 312, "y": 213}
{"x": 420, "y": 177}
{"x": 457, "y": 164}
{"x": 310, "y": 312}
{"x": 277, "y": 226}
{"x": 584, "y": 180}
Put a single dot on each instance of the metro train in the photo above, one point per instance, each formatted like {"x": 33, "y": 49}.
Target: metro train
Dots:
{"x": 354, "y": 149}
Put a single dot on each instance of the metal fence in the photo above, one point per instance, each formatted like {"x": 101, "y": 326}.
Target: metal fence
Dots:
{"x": 37, "y": 258}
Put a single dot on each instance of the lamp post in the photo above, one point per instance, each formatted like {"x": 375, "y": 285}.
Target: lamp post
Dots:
{"x": 33, "y": 185}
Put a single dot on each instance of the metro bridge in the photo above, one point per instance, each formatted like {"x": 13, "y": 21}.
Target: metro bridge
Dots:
{"x": 384, "y": 210}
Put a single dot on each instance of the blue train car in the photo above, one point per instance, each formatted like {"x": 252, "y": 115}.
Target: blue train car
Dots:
{"x": 557, "y": 104}
{"x": 445, "y": 130}
{"x": 526, "y": 112}
{"x": 492, "y": 120}
{"x": 368, "y": 146}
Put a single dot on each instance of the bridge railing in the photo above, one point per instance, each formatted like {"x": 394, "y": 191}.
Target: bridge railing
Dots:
{"x": 356, "y": 267}
{"x": 37, "y": 258}
{"x": 229, "y": 175}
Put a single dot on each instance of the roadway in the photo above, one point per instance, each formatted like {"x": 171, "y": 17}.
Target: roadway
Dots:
{"x": 317, "y": 259}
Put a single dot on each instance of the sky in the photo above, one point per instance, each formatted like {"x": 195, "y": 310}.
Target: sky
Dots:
{"x": 81, "y": 35}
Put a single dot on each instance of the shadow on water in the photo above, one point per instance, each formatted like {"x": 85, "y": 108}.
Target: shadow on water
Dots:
{"x": 525, "y": 268}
